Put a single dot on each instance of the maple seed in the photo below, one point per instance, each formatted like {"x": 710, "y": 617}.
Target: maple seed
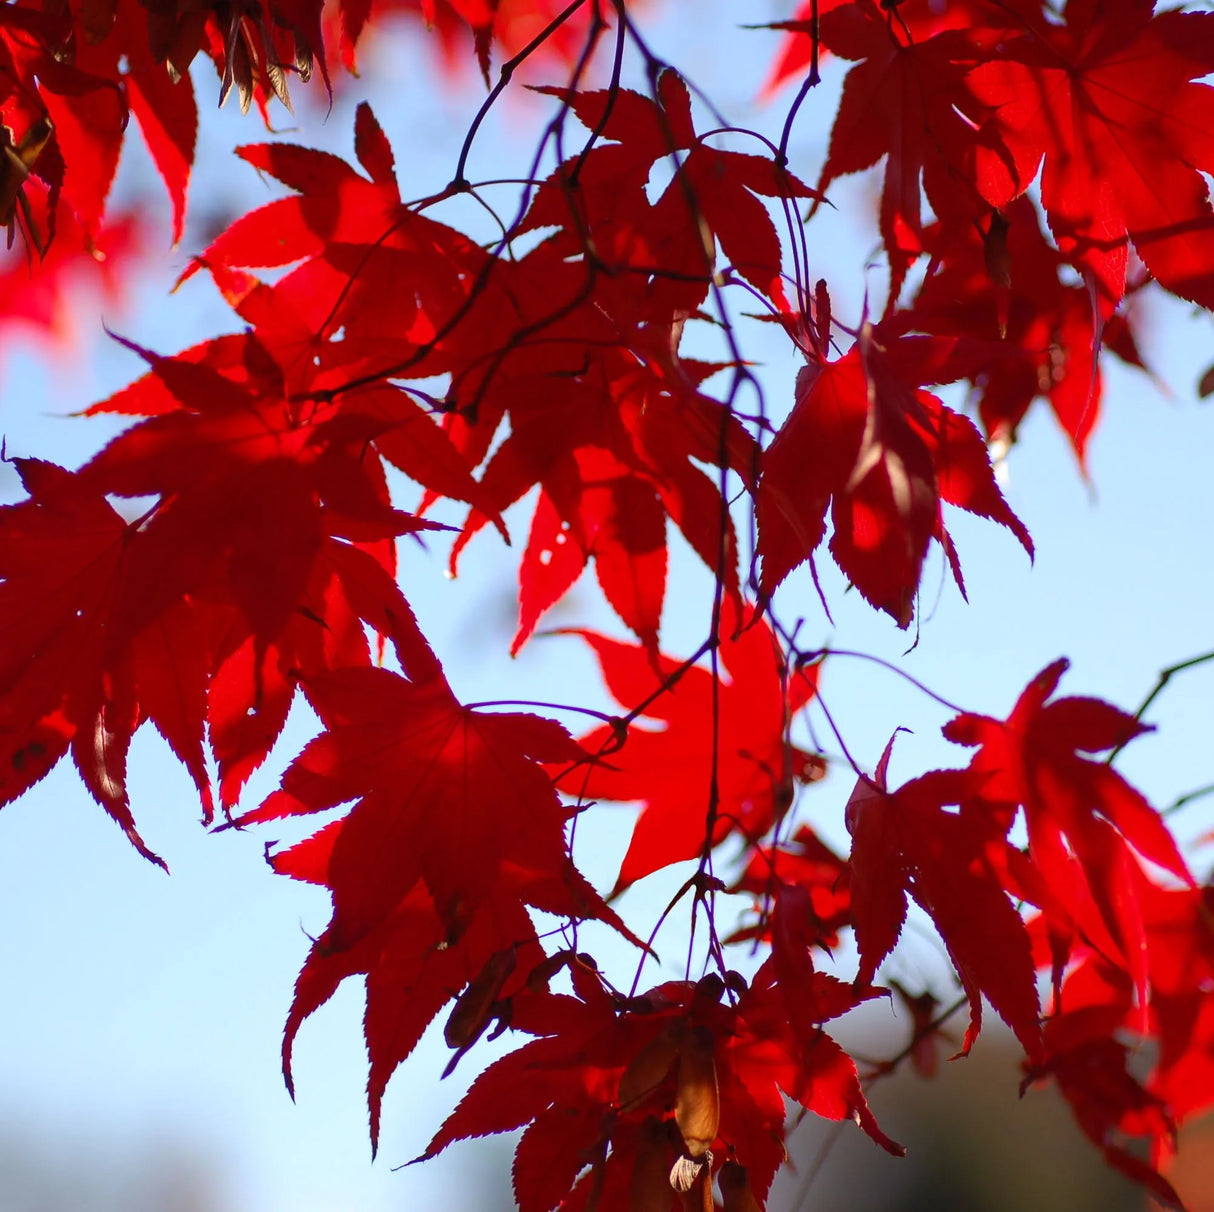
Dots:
{"x": 686, "y": 1171}
{"x": 649, "y": 1067}
{"x": 649, "y": 1190}
{"x": 473, "y": 1008}
{"x": 698, "y": 1102}
{"x": 735, "y": 1189}
{"x": 15, "y": 165}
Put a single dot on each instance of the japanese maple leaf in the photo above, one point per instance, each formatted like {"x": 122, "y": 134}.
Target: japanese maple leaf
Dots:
{"x": 1082, "y": 816}
{"x": 333, "y": 204}
{"x": 85, "y": 75}
{"x": 627, "y": 1089}
{"x": 714, "y": 193}
{"x": 1179, "y": 925}
{"x": 613, "y": 449}
{"x": 455, "y": 827}
{"x": 380, "y": 291}
{"x": 284, "y": 356}
{"x": 1106, "y": 101}
{"x": 822, "y": 880}
{"x": 412, "y": 961}
{"x": 1179, "y": 932}
{"x": 1006, "y": 282}
{"x": 905, "y": 842}
{"x": 669, "y": 769}
{"x": 505, "y": 26}
{"x": 560, "y": 1086}
{"x": 161, "y": 102}
{"x": 921, "y": 19}
{"x": 48, "y": 297}
{"x": 772, "y": 1053}
{"x": 267, "y": 519}
{"x": 1111, "y": 1106}
{"x": 144, "y": 620}
{"x": 619, "y": 521}
{"x": 81, "y": 117}
{"x": 448, "y": 795}
{"x": 905, "y": 101}
{"x": 882, "y": 456}
{"x": 64, "y": 554}
{"x": 1087, "y": 1039}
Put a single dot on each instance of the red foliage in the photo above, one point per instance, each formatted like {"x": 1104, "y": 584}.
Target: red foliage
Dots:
{"x": 735, "y": 740}
{"x": 549, "y": 363}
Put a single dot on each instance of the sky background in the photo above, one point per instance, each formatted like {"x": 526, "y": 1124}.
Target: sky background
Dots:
{"x": 141, "y": 1025}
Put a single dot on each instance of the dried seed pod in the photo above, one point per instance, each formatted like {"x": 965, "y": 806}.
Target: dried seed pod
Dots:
{"x": 649, "y": 1067}
{"x": 547, "y": 968}
{"x": 649, "y": 1190}
{"x": 686, "y": 1172}
{"x": 15, "y": 165}
{"x": 471, "y": 1012}
{"x": 698, "y": 1103}
{"x": 735, "y": 1189}
{"x": 709, "y": 989}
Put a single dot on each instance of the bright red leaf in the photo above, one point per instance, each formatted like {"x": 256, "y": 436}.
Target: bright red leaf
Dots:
{"x": 1082, "y": 816}
{"x": 669, "y": 769}
{"x": 1106, "y": 102}
{"x": 1006, "y": 281}
{"x": 625, "y": 1087}
{"x": 455, "y": 825}
{"x": 905, "y": 841}
{"x": 882, "y": 456}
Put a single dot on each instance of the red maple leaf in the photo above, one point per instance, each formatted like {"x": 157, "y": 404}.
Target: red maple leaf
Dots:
{"x": 445, "y": 794}
{"x": 63, "y": 554}
{"x": 1082, "y": 816}
{"x": 1006, "y": 282}
{"x": 882, "y": 456}
{"x": 905, "y": 841}
{"x": 669, "y": 769}
{"x": 159, "y": 619}
{"x": 822, "y": 880}
{"x": 161, "y": 102}
{"x": 906, "y": 101}
{"x": 455, "y": 827}
{"x": 333, "y": 204}
{"x": 1105, "y": 98}
{"x": 270, "y": 544}
{"x": 614, "y": 460}
{"x": 623, "y": 1088}
{"x": 713, "y": 194}
{"x": 48, "y": 297}
{"x": 1111, "y": 1106}
{"x": 413, "y": 962}
{"x": 85, "y": 72}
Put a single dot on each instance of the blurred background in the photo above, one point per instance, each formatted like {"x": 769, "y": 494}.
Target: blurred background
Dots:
{"x": 141, "y": 1024}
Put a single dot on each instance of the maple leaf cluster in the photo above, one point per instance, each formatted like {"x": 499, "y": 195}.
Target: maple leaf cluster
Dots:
{"x": 548, "y": 366}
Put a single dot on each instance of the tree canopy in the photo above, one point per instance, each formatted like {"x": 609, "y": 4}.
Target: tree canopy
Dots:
{"x": 566, "y": 360}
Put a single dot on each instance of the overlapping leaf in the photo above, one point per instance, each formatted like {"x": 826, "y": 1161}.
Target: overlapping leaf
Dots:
{"x": 864, "y": 442}
{"x": 619, "y": 1092}
{"x": 905, "y": 841}
{"x": 456, "y": 826}
{"x": 746, "y": 754}
{"x": 1105, "y": 104}
{"x": 1082, "y": 816}
{"x": 1006, "y": 282}
{"x": 905, "y": 101}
